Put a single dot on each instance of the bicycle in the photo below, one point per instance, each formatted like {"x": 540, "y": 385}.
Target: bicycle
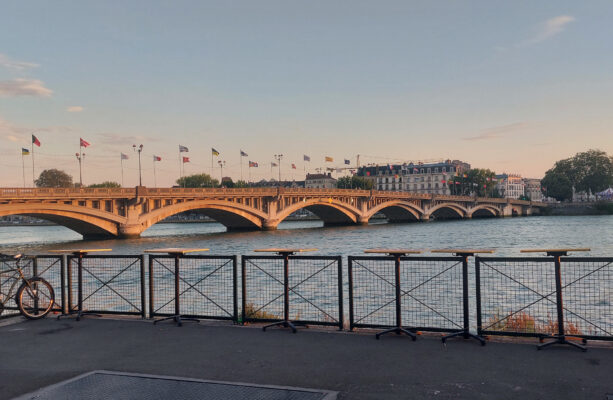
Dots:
{"x": 35, "y": 297}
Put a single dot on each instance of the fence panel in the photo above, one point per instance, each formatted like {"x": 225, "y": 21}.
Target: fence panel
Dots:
{"x": 516, "y": 296}
{"x": 430, "y": 287}
{"x": 112, "y": 284}
{"x": 587, "y": 291}
{"x": 314, "y": 285}
{"x": 9, "y": 283}
{"x": 207, "y": 286}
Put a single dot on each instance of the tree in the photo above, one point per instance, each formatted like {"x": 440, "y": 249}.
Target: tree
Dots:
{"x": 241, "y": 184}
{"x": 105, "y": 184}
{"x": 54, "y": 178}
{"x": 197, "y": 181}
{"x": 588, "y": 171}
{"x": 354, "y": 182}
{"x": 477, "y": 181}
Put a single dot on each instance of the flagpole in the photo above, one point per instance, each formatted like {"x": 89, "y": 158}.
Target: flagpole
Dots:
{"x": 154, "y": 177}
{"x": 32, "y": 146}
{"x": 23, "y": 169}
{"x": 241, "y": 162}
{"x": 250, "y": 174}
{"x": 80, "y": 168}
{"x": 121, "y": 157}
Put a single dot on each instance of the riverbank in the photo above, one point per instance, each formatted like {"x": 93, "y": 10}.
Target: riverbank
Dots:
{"x": 570, "y": 209}
{"x": 354, "y": 364}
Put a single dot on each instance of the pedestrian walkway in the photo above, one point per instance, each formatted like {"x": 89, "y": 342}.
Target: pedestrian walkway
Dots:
{"x": 35, "y": 354}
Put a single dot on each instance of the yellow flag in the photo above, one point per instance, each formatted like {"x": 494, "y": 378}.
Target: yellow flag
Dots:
{"x": 329, "y": 159}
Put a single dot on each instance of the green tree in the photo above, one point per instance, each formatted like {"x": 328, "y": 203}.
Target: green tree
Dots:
{"x": 241, "y": 184}
{"x": 105, "y": 184}
{"x": 354, "y": 182}
{"x": 197, "y": 181}
{"x": 588, "y": 171}
{"x": 54, "y": 178}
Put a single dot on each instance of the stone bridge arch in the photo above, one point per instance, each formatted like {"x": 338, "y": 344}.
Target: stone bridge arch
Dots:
{"x": 233, "y": 216}
{"x": 396, "y": 211}
{"x": 447, "y": 211}
{"x": 484, "y": 211}
{"x": 331, "y": 211}
{"x": 91, "y": 223}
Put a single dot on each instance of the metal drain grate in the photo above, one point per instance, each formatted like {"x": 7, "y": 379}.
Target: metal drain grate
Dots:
{"x": 118, "y": 386}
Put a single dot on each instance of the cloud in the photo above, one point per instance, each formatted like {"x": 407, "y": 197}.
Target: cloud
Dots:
{"x": 7, "y": 62}
{"x": 498, "y": 132}
{"x": 549, "y": 29}
{"x": 73, "y": 109}
{"x": 24, "y": 87}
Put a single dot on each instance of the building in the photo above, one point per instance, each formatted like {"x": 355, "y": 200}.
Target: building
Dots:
{"x": 510, "y": 186}
{"x": 320, "y": 181}
{"x": 415, "y": 177}
{"x": 532, "y": 189}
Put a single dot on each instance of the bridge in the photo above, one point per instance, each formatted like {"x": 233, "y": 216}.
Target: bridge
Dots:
{"x": 127, "y": 212}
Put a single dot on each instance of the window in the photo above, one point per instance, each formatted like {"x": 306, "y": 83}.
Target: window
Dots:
{"x": 444, "y": 169}
{"x": 436, "y": 170}
{"x": 422, "y": 170}
{"x": 429, "y": 169}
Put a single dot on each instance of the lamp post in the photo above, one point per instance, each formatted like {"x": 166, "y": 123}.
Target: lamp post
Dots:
{"x": 221, "y": 165}
{"x": 278, "y": 157}
{"x": 80, "y": 157}
{"x": 140, "y": 176}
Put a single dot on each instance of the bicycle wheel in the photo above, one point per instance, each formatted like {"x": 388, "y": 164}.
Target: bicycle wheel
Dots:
{"x": 36, "y": 298}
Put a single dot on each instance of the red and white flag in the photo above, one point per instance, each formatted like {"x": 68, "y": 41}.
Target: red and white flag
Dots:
{"x": 35, "y": 141}
{"x": 185, "y": 159}
{"x": 157, "y": 158}
{"x": 83, "y": 143}
{"x": 293, "y": 166}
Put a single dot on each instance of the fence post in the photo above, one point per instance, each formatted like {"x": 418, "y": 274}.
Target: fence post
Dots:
{"x": 478, "y": 293}
{"x": 340, "y": 293}
{"x": 151, "y": 289}
{"x": 142, "y": 286}
{"x": 243, "y": 288}
{"x": 69, "y": 282}
{"x": 34, "y": 274}
{"x": 350, "y": 277}
{"x": 63, "y": 282}
{"x": 234, "y": 289}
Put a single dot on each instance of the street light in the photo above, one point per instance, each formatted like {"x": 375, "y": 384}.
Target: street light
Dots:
{"x": 278, "y": 157}
{"x": 140, "y": 176}
{"x": 221, "y": 165}
{"x": 80, "y": 157}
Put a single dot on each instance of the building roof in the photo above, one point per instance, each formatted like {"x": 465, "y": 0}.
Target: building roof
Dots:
{"x": 328, "y": 176}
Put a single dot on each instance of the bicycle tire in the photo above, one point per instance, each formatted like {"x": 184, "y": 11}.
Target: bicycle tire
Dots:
{"x": 29, "y": 310}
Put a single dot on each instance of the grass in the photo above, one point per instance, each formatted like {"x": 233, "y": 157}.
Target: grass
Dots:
{"x": 526, "y": 323}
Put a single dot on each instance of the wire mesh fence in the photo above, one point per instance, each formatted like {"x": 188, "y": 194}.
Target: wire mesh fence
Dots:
{"x": 10, "y": 280}
{"x": 52, "y": 269}
{"x": 516, "y": 296}
{"x": 431, "y": 295}
{"x": 587, "y": 292}
{"x": 112, "y": 284}
{"x": 207, "y": 286}
{"x": 314, "y": 289}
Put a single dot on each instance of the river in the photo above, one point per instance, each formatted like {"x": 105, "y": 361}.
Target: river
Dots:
{"x": 507, "y": 236}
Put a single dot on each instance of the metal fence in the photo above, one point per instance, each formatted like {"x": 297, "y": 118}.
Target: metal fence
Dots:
{"x": 207, "y": 286}
{"x": 430, "y": 291}
{"x": 314, "y": 287}
{"x": 50, "y": 268}
{"x": 112, "y": 284}
{"x": 517, "y": 296}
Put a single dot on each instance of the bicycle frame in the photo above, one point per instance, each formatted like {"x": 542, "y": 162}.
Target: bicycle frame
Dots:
{"x": 18, "y": 277}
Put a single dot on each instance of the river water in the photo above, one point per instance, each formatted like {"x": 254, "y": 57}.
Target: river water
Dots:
{"x": 507, "y": 236}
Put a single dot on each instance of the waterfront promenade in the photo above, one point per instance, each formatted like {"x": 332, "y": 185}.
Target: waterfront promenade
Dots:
{"x": 39, "y": 353}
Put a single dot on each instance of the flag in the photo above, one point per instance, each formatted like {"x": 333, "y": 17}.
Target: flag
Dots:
{"x": 329, "y": 159}
{"x": 25, "y": 152}
{"x": 253, "y": 164}
{"x": 157, "y": 158}
{"x": 484, "y": 186}
{"x": 443, "y": 181}
{"x": 293, "y": 166}
{"x": 465, "y": 176}
{"x": 396, "y": 176}
{"x": 415, "y": 170}
{"x": 457, "y": 183}
{"x": 124, "y": 156}
{"x": 352, "y": 171}
{"x": 273, "y": 164}
{"x": 243, "y": 154}
{"x": 306, "y": 158}
{"x": 35, "y": 141}
{"x": 367, "y": 173}
{"x": 83, "y": 143}
{"x": 183, "y": 149}
{"x": 215, "y": 152}
{"x": 347, "y": 162}
{"x": 185, "y": 159}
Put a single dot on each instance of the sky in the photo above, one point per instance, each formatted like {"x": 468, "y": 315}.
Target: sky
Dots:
{"x": 510, "y": 86}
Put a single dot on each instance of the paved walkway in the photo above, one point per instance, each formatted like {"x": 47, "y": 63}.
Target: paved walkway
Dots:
{"x": 34, "y": 354}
